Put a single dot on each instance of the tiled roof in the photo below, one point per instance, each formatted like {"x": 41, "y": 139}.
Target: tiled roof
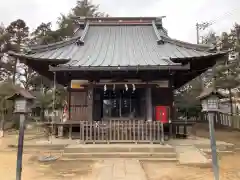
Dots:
{"x": 208, "y": 91}
{"x": 21, "y": 92}
{"x": 112, "y": 45}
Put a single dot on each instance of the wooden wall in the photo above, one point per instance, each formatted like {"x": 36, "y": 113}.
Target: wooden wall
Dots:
{"x": 97, "y": 104}
{"x": 78, "y": 105}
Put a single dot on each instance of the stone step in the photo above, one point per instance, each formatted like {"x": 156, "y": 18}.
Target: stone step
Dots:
{"x": 119, "y": 155}
{"x": 40, "y": 147}
{"x": 207, "y": 164}
{"x": 30, "y": 151}
{"x": 220, "y": 147}
{"x": 237, "y": 149}
{"x": 208, "y": 151}
{"x": 97, "y": 148}
{"x": 139, "y": 158}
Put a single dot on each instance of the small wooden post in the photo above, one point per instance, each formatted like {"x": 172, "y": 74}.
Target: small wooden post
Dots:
{"x": 60, "y": 130}
{"x": 2, "y": 124}
{"x": 70, "y": 131}
{"x": 162, "y": 133}
{"x": 90, "y": 102}
{"x": 53, "y": 105}
{"x": 69, "y": 102}
{"x": 149, "y": 103}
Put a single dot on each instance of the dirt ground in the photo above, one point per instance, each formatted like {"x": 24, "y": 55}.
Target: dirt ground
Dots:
{"x": 229, "y": 164}
{"x": 42, "y": 171}
{"x": 33, "y": 169}
{"x": 230, "y": 170}
{"x": 60, "y": 170}
{"x": 222, "y": 134}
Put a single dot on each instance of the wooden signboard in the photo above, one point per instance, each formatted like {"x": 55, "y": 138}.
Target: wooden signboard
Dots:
{"x": 78, "y": 84}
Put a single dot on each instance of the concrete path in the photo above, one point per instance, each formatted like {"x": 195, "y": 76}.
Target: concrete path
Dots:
{"x": 190, "y": 155}
{"x": 119, "y": 169}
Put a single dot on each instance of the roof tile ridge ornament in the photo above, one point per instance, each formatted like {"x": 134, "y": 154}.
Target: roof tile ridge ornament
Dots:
{"x": 159, "y": 38}
{"x": 80, "y": 40}
{"x": 198, "y": 47}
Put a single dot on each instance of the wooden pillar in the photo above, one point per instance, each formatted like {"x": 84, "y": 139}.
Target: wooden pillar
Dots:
{"x": 90, "y": 102}
{"x": 172, "y": 107}
{"x": 149, "y": 104}
{"x": 69, "y": 102}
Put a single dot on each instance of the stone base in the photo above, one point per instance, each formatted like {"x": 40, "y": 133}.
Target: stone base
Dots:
{"x": 1, "y": 133}
{"x": 60, "y": 131}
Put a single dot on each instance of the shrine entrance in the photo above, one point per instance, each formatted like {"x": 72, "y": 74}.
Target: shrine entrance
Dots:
{"x": 123, "y": 103}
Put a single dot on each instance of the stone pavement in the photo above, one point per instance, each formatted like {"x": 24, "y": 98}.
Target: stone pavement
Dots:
{"x": 190, "y": 155}
{"x": 198, "y": 142}
{"x": 119, "y": 169}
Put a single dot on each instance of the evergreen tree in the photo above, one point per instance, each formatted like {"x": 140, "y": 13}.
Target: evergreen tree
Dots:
{"x": 227, "y": 71}
{"x": 17, "y": 33}
{"x": 82, "y": 9}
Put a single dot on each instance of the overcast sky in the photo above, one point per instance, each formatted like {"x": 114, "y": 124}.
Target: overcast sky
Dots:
{"x": 181, "y": 15}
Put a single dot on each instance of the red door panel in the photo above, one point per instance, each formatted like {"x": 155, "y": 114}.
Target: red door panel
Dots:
{"x": 162, "y": 114}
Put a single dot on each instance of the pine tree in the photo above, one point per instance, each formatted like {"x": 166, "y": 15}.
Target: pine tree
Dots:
{"x": 18, "y": 33}
{"x": 227, "y": 71}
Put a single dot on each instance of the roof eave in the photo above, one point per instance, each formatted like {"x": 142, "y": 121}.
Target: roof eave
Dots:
{"x": 116, "y": 18}
{"x": 121, "y": 68}
{"x": 28, "y": 57}
{"x": 210, "y": 91}
{"x": 188, "y": 59}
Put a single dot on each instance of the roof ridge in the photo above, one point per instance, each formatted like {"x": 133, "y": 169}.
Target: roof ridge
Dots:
{"x": 159, "y": 37}
{"x": 115, "y": 18}
{"x": 56, "y": 44}
{"x": 199, "y": 47}
{"x": 79, "y": 39}
{"x": 83, "y": 35}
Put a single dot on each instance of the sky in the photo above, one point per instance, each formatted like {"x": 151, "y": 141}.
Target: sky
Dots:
{"x": 180, "y": 21}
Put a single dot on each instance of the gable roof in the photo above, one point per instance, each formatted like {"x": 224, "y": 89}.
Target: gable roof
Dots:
{"x": 208, "y": 91}
{"x": 141, "y": 43}
{"x": 21, "y": 92}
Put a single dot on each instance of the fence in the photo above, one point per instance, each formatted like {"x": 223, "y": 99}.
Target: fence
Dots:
{"x": 226, "y": 120}
{"x": 116, "y": 131}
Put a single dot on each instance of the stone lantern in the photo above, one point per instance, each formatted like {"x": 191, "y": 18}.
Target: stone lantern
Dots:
{"x": 210, "y": 104}
{"x": 22, "y": 105}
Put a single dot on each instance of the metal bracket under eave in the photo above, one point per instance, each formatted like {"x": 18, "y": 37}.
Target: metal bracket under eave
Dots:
{"x": 160, "y": 41}
{"x": 79, "y": 42}
{"x": 51, "y": 68}
{"x": 186, "y": 66}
